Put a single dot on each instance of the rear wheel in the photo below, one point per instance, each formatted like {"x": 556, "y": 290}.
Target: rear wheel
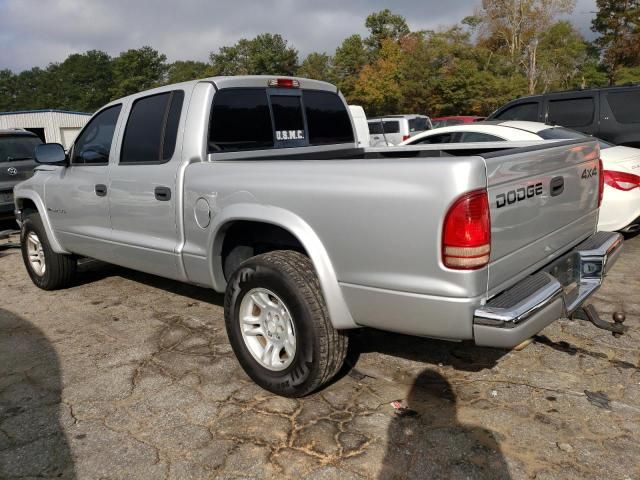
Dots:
{"x": 278, "y": 324}
{"x": 48, "y": 270}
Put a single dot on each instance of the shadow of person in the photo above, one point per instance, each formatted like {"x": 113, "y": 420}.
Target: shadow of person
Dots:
{"x": 32, "y": 440}
{"x": 426, "y": 441}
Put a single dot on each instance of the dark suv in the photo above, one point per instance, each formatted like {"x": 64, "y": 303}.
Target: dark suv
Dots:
{"x": 16, "y": 164}
{"x": 610, "y": 113}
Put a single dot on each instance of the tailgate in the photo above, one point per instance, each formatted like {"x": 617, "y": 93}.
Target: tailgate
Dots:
{"x": 543, "y": 201}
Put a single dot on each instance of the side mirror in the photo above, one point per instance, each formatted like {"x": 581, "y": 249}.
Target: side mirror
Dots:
{"x": 51, "y": 154}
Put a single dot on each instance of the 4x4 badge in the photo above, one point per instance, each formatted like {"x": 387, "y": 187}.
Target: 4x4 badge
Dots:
{"x": 12, "y": 171}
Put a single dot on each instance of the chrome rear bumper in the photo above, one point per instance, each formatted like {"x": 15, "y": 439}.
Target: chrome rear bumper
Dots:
{"x": 555, "y": 291}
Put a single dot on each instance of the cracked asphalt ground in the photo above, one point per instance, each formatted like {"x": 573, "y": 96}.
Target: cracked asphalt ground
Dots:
{"x": 130, "y": 376}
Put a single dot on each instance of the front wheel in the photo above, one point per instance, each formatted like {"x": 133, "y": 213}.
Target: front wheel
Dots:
{"x": 278, "y": 324}
{"x": 48, "y": 270}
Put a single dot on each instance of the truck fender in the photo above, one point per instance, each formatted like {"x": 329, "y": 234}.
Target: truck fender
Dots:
{"x": 338, "y": 310}
{"x": 20, "y": 196}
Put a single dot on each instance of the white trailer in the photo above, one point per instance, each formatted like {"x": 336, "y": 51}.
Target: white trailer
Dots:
{"x": 53, "y": 126}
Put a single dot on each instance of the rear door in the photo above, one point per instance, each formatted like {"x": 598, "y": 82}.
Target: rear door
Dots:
{"x": 579, "y": 111}
{"x": 142, "y": 194}
{"x": 543, "y": 200}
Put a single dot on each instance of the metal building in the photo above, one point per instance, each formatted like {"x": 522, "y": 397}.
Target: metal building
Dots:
{"x": 52, "y": 126}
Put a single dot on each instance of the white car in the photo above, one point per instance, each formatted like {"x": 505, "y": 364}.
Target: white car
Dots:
{"x": 394, "y": 129}
{"x": 620, "y": 210}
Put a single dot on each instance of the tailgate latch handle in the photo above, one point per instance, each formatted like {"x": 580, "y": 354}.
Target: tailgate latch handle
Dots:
{"x": 162, "y": 193}
{"x": 557, "y": 186}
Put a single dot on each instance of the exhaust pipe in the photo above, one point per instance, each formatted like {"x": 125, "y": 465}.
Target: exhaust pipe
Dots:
{"x": 631, "y": 228}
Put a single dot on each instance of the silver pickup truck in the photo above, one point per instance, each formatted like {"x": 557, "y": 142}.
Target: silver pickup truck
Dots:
{"x": 254, "y": 186}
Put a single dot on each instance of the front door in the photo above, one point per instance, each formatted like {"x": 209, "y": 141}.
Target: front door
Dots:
{"x": 77, "y": 196}
{"x": 142, "y": 189}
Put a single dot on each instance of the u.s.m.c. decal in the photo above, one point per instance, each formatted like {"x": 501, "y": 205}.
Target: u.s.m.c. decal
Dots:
{"x": 518, "y": 195}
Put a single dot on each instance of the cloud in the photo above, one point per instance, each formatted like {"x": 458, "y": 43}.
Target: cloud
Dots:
{"x": 35, "y": 32}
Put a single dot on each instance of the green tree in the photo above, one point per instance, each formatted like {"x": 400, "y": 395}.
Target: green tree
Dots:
{"x": 377, "y": 87}
{"x": 83, "y": 81}
{"x": 8, "y": 84}
{"x": 348, "y": 61}
{"x": 136, "y": 70}
{"x": 618, "y": 23}
{"x": 384, "y": 25}
{"x": 562, "y": 53}
{"x": 184, "y": 70}
{"x": 317, "y": 66}
{"x": 266, "y": 54}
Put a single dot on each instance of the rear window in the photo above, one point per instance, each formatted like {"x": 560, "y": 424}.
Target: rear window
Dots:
{"x": 327, "y": 118}
{"x": 450, "y": 137}
{"x": 560, "y": 133}
{"x": 418, "y": 124}
{"x": 288, "y": 120}
{"x": 470, "y": 137}
{"x": 17, "y": 147}
{"x": 573, "y": 112}
{"x": 523, "y": 111}
{"x": 625, "y": 106}
{"x": 241, "y": 119}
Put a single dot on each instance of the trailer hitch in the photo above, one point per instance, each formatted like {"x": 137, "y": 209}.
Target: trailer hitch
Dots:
{"x": 589, "y": 313}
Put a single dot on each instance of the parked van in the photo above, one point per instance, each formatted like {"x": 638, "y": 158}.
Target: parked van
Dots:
{"x": 395, "y": 129}
{"x": 360, "y": 124}
{"x": 609, "y": 113}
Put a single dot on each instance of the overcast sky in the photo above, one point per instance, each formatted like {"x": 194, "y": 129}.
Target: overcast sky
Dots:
{"x": 37, "y": 32}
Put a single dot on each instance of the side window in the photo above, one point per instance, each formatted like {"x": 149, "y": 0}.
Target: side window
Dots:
{"x": 240, "y": 120}
{"x": 94, "y": 142}
{"x": 375, "y": 128}
{"x": 573, "y": 112}
{"x": 624, "y": 106}
{"x": 523, "y": 111}
{"x": 391, "y": 126}
{"x": 327, "y": 118}
{"x": 469, "y": 137}
{"x": 441, "y": 138}
{"x": 152, "y": 128}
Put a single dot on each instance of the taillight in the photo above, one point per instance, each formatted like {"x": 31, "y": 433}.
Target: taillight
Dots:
{"x": 601, "y": 174}
{"x": 621, "y": 180}
{"x": 466, "y": 238}
{"x": 284, "y": 83}
{"x": 405, "y": 137}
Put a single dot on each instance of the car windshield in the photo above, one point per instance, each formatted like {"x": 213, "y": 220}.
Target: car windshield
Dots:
{"x": 561, "y": 133}
{"x": 17, "y": 147}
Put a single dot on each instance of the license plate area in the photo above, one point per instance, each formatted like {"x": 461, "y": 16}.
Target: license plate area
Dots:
{"x": 566, "y": 270}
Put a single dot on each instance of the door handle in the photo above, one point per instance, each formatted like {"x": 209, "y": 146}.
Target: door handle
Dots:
{"x": 557, "y": 186}
{"x": 162, "y": 193}
{"x": 101, "y": 190}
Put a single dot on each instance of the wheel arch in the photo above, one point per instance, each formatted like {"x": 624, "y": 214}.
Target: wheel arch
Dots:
{"x": 27, "y": 201}
{"x": 299, "y": 230}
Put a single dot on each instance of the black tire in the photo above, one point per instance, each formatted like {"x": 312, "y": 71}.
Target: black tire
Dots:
{"x": 320, "y": 349}
{"x": 59, "y": 269}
